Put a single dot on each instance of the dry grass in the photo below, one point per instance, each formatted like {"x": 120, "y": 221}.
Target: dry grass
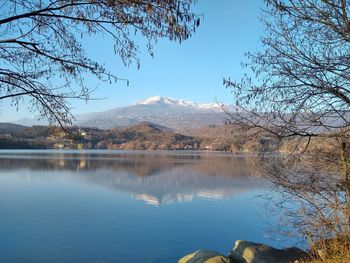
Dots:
{"x": 336, "y": 250}
{"x": 335, "y": 259}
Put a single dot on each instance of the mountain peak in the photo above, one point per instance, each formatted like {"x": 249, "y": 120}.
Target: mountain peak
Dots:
{"x": 165, "y": 100}
{"x": 161, "y": 100}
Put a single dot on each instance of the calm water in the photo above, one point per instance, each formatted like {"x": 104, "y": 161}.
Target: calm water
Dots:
{"x": 109, "y": 206}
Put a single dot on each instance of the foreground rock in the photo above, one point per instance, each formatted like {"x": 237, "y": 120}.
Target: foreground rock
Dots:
{"x": 247, "y": 252}
{"x": 204, "y": 256}
{"x": 260, "y": 253}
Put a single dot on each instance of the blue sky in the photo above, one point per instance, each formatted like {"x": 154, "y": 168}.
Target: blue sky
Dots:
{"x": 192, "y": 70}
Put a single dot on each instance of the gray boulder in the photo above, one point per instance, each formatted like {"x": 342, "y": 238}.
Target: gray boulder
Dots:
{"x": 204, "y": 256}
{"x": 249, "y": 252}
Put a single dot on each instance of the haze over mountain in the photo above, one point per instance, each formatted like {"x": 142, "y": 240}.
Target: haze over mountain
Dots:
{"x": 177, "y": 114}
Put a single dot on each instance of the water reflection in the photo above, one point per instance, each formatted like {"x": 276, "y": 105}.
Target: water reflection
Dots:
{"x": 154, "y": 177}
{"x": 107, "y": 206}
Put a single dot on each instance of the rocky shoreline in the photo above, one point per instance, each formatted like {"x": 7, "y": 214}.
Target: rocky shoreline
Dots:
{"x": 247, "y": 252}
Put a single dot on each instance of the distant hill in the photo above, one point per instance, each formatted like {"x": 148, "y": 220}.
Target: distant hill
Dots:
{"x": 142, "y": 136}
{"x": 211, "y": 131}
{"x": 176, "y": 114}
{"x": 147, "y": 126}
{"x": 10, "y": 128}
{"x": 145, "y": 136}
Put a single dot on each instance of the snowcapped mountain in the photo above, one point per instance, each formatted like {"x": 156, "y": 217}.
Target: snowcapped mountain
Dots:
{"x": 173, "y": 113}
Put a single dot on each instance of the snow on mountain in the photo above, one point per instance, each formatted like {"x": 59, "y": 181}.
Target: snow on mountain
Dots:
{"x": 179, "y": 102}
{"x": 166, "y": 100}
{"x": 210, "y": 106}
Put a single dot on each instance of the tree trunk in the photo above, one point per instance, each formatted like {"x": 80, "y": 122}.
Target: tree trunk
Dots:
{"x": 345, "y": 164}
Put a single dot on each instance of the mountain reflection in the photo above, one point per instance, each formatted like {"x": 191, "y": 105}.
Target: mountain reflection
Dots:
{"x": 154, "y": 177}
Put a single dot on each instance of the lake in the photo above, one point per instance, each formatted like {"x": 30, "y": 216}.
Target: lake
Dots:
{"x": 120, "y": 206}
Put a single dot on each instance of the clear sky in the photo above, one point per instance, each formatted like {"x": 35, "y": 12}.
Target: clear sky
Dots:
{"x": 193, "y": 70}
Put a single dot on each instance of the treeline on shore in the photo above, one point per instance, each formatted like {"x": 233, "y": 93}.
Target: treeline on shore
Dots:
{"x": 144, "y": 136}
